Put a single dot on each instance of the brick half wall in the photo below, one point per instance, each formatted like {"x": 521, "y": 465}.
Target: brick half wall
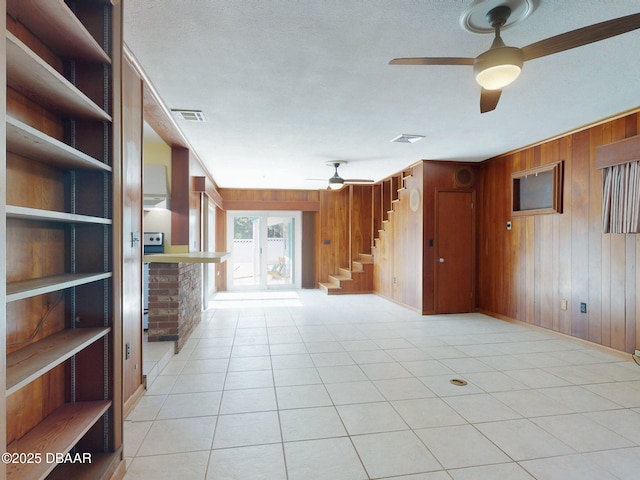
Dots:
{"x": 175, "y": 303}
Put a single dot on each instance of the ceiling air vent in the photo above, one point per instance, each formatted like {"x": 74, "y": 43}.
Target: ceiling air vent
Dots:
{"x": 190, "y": 115}
{"x": 407, "y": 138}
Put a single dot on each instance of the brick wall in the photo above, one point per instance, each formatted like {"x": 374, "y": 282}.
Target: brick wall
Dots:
{"x": 175, "y": 301}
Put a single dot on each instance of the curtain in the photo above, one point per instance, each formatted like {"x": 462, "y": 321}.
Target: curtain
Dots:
{"x": 621, "y": 198}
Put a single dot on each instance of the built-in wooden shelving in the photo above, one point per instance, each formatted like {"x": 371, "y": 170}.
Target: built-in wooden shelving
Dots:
{"x": 52, "y": 283}
{"x": 68, "y": 38}
{"x": 67, "y": 92}
{"x": 34, "y": 360}
{"x": 57, "y": 433}
{"x": 28, "y": 74}
{"x": 31, "y": 143}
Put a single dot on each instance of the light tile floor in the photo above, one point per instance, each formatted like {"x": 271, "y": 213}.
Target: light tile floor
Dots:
{"x": 300, "y": 385}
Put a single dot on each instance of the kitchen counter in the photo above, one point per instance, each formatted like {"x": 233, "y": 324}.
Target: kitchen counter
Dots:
{"x": 193, "y": 257}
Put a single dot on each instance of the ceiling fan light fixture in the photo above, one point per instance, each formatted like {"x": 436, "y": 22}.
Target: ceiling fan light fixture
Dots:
{"x": 336, "y": 183}
{"x": 498, "y": 67}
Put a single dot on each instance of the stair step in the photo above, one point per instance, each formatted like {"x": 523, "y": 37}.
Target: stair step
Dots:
{"x": 345, "y": 272}
{"x": 365, "y": 258}
{"x": 338, "y": 278}
{"x": 329, "y": 288}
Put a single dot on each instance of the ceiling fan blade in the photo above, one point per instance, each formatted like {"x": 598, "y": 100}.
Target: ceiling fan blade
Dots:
{"x": 433, "y": 61}
{"x": 489, "y": 100}
{"x": 582, "y": 36}
{"x": 357, "y": 180}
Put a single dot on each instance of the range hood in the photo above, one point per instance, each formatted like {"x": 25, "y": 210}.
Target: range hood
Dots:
{"x": 154, "y": 185}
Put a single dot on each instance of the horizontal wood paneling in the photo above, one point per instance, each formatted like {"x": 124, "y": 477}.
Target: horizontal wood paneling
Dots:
{"x": 245, "y": 199}
{"x": 622, "y": 151}
{"x": 525, "y": 273}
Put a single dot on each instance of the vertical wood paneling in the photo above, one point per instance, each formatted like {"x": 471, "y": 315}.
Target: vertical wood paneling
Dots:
{"x": 577, "y": 190}
{"x": 132, "y": 223}
{"x": 562, "y": 318}
{"x": 618, "y": 267}
{"x": 407, "y": 247}
{"x": 308, "y": 250}
{"x": 360, "y": 219}
{"x": 562, "y": 256}
{"x": 3, "y": 250}
{"x": 179, "y": 196}
{"x": 637, "y": 299}
{"x": 221, "y": 246}
{"x": 332, "y": 233}
{"x": 629, "y": 334}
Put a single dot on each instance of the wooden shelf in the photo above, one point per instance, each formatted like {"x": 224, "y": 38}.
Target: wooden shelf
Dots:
{"x": 38, "y": 286}
{"x": 36, "y": 359}
{"x": 57, "y": 433}
{"x": 29, "y": 142}
{"x": 53, "y": 22}
{"x": 49, "y": 215}
{"x": 36, "y": 79}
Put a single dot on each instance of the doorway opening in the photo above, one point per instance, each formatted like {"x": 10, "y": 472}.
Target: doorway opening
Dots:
{"x": 265, "y": 249}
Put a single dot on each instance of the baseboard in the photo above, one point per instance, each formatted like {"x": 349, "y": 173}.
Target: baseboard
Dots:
{"x": 131, "y": 402}
{"x": 564, "y": 336}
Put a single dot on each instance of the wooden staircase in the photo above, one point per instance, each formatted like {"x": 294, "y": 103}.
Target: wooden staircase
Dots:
{"x": 358, "y": 279}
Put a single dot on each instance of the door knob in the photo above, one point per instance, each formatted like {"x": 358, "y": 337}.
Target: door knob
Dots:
{"x": 441, "y": 260}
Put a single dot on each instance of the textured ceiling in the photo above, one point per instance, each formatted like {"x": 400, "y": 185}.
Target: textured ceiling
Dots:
{"x": 287, "y": 85}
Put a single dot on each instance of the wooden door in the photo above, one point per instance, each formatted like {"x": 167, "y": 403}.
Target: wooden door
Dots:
{"x": 455, "y": 251}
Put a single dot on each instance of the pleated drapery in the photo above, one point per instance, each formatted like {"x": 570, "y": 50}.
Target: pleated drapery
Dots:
{"x": 621, "y": 198}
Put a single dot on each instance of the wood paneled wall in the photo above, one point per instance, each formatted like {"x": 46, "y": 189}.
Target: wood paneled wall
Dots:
{"x": 332, "y": 233}
{"x": 404, "y": 255}
{"x": 526, "y": 272}
{"x": 247, "y": 199}
{"x": 360, "y": 220}
{"x": 131, "y": 258}
{"x": 398, "y": 251}
{"x": 437, "y": 175}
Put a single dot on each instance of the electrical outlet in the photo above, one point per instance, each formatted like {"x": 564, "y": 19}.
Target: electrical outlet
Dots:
{"x": 583, "y": 307}
{"x": 127, "y": 351}
{"x": 563, "y": 304}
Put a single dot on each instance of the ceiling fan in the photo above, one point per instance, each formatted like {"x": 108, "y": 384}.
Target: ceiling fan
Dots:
{"x": 500, "y": 65}
{"x": 337, "y": 182}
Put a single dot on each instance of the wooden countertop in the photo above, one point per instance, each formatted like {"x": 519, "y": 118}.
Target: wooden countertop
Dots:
{"x": 193, "y": 257}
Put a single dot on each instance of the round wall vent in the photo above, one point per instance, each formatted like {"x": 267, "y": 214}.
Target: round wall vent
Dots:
{"x": 464, "y": 177}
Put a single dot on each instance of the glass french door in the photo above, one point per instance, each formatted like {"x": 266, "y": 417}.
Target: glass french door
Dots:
{"x": 265, "y": 247}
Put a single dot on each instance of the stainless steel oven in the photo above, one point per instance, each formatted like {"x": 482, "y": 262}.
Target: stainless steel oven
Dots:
{"x": 152, "y": 242}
